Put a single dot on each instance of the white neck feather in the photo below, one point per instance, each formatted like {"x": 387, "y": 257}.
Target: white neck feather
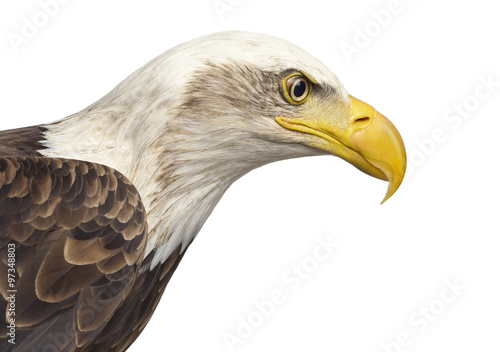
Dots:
{"x": 179, "y": 177}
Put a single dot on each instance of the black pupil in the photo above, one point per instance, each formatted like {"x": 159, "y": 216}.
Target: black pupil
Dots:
{"x": 299, "y": 89}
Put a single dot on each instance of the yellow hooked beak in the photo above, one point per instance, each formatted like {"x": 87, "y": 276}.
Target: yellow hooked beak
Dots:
{"x": 358, "y": 134}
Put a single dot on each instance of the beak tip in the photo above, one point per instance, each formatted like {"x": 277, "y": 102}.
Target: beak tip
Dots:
{"x": 394, "y": 183}
{"x": 386, "y": 198}
{"x": 388, "y": 195}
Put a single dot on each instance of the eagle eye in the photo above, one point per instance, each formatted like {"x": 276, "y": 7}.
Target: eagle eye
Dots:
{"x": 297, "y": 88}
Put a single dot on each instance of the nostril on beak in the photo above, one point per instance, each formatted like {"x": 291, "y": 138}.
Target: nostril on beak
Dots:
{"x": 362, "y": 122}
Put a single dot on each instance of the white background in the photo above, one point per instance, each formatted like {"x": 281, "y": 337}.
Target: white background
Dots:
{"x": 393, "y": 259}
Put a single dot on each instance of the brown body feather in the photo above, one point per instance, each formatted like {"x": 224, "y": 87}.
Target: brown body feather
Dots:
{"x": 22, "y": 141}
{"x": 79, "y": 231}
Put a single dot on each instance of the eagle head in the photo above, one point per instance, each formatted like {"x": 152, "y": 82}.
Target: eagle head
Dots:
{"x": 266, "y": 99}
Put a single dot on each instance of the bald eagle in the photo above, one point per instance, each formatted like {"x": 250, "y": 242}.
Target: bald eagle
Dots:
{"x": 97, "y": 209}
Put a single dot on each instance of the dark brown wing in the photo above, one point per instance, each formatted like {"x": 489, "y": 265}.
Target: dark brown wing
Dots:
{"x": 77, "y": 232}
{"x": 132, "y": 316}
{"x": 26, "y": 141}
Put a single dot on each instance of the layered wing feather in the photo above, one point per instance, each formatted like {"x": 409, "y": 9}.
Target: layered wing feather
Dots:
{"x": 79, "y": 232}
